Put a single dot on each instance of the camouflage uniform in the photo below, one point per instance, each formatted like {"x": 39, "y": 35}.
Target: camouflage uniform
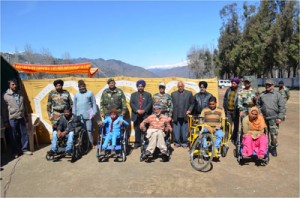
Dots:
{"x": 113, "y": 100}
{"x": 246, "y": 97}
{"x": 285, "y": 92}
{"x": 57, "y": 103}
{"x": 165, "y": 101}
{"x": 271, "y": 104}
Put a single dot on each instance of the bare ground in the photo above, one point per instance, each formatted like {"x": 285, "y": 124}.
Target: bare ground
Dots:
{"x": 34, "y": 176}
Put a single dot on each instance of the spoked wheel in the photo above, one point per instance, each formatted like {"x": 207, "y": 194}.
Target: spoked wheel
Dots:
{"x": 202, "y": 152}
{"x": 84, "y": 142}
{"x": 123, "y": 153}
{"x": 49, "y": 157}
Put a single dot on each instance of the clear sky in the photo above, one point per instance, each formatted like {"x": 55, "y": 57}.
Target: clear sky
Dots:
{"x": 141, "y": 33}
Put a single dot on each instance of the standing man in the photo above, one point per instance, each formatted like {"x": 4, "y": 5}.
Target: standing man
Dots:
{"x": 163, "y": 100}
{"x": 285, "y": 92}
{"x": 15, "y": 117}
{"x": 230, "y": 105}
{"x": 112, "y": 98}
{"x": 271, "y": 104}
{"x": 58, "y": 100}
{"x": 246, "y": 98}
{"x": 201, "y": 99}
{"x": 183, "y": 105}
{"x": 141, "y": 107}
{"x": 85, "y": 105}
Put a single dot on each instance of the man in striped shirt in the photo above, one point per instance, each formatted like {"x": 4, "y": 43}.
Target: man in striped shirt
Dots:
{"x": 212, "y": 116}
{"x": 158, "y": 125}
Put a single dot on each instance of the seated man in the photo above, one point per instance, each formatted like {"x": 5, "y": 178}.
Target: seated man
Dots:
{"x": 114, "y": 127}
{"x": 254, "y": 138}
{"x": 66, "y": 128}
{"x": 158, "y": 123}
{"x": 213, "y": 116}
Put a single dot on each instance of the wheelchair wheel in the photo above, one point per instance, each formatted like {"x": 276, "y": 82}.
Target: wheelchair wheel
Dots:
{"x": 123, "y": 153}
{"x": 224, "y": 150}
{"x": 84, "y": 142}
{"x": 202, "y": 152}
{"x": 49, "y": 157}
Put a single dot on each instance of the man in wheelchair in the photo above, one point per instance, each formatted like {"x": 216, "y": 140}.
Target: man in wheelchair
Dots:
{"x": 65, "y": 129}
{"x": 159, "y": 124}
{"x": 212, "y": 116}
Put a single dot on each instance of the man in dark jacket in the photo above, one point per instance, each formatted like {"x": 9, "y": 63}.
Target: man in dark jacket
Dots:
{"x": 230, "y": 105}
{"x": 201, "y": 99}
{"x": 66, "y": 128}
{"x": 141, "y": 107}
{"x": 183, "y": 105}
{"x": 15, "y": 117}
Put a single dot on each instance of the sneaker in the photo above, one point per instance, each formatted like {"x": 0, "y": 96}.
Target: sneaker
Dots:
{"x": 27, "y": 152}
{"x": 148, "y": 153}
{"x": 51, "y": 152}
{"x": 69, "y": 152}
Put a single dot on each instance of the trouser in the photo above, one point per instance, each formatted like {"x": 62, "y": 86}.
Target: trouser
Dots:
{"x": 219, "y": 135}
{"x": 233, "y": 119}
{"x": 156, "y": 138}
{"x": 18, "y": 125}
{"x": 111, "y": 136}
{"x": 273, "y": 131}
{"x": 70, "y": 137}
{"x": 259, "y": 145}
{"x": 88, "y": 126}
{"x": 180, "y": 129}
{"x": 137, "y": 130}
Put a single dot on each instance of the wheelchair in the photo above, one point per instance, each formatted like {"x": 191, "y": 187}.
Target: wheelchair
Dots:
{"x": 239, "y": 148}
{"x": 202, "y": 143}
{"x": 121, "y": 146}
{"x": 156, "y": 154}
{"x": 81, "y": 145}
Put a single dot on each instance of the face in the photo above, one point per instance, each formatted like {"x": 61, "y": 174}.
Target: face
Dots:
{"x": 202, "y": 89}
{"x": 280, "y": 85}
{"x": 141, "y": 88}
{"x": 67, "y": 113}
{"x": 113, "y": 116}
{"x": 157, "y": 111}
{"x": 212, "y": 105}
{"x": 58, "y": 87}
{"x": 12, "y": 86}
{"x": 234, "y": 85}
{"x": 82, "y": 88}
{"x": 112, "y": 85}
{"x": 180, "y": 86}
{"x": 269, "y": 87}
{"x": 253, "y": 115}
{"x": 161, "y": 89}
{"x": 247, "y": 84}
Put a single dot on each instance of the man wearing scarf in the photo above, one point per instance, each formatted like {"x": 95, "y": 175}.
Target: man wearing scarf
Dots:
{"x": 230, "y": 105}
{"x": 58, "y": 100}
{"x": 141, "y": 107}
{"x": 85, "y": 106}
{"x": 254, "y": 138}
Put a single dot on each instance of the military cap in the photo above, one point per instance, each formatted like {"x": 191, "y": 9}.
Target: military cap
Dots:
{"x": 110, "y": 80}
{"x": 270, "y": 81}
{"x": 247, "y": 78}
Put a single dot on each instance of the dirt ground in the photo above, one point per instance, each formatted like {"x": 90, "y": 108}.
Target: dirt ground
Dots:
{"x": 34, "y": 176}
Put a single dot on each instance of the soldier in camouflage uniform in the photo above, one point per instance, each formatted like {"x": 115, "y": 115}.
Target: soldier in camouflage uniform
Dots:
{"x": 271, "y": 104}
{"x": 247, "y": 97}
{"x": 164, "y": 100}
{"x": 112, "y": 98}
{"x": 58, "y": 100}
{"x": 285, "y": 92}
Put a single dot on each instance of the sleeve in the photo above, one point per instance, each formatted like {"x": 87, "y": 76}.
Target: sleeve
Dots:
{"x": 170, "y": 105}
{"x": 245, "y": 125}
{"x": 240, "y": 102}
{"x": 124, "y": 107}
{"x": 4, "y": 107}
{"x": 132, "y": 105}
{"x": 49, "y": 104}
{"x": 102, "y": 102}
{"x": 287, "y": 92}
{"x": 94, "y": 105}
{"x": 125, "y": 123}
{"x": 142, "y": 125}
{"x": 149, "y": 105}
{"x": 74, "y": 106}
{"x": 281, "y": 107}
{"x": 60, "y": 126}
{"x": 191, "y": 102}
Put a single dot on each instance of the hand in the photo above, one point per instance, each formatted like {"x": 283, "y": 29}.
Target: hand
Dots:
{"x": 188, "y": 112}
{"x": 278, "y": 121}
{"x": 121, "y": 122}
{"x": 59, "y": 134}
{"x": 140, "y": 112}
{"x": 169, "y": 119}
{"x": 100, "y": 123}
{"x": 241, "y": 113}
{"x": 51, "y": 117}
{"x": 102, "y": 115}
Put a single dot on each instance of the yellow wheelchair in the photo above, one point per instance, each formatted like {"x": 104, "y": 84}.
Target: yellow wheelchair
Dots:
{"x": 202, "y": 142}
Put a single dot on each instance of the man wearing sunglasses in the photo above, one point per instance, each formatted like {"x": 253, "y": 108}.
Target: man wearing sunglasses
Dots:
{"x": 272, "y": 106}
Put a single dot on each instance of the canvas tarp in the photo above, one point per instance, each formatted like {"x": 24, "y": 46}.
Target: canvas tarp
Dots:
{"x": 38, "y": 90}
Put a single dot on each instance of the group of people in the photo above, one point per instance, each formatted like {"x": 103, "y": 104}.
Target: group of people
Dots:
{"x": 161, "y": 112}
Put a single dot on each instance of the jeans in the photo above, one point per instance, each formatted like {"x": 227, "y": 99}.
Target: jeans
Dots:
{"x": 111, "y": 136}
{"x": 137, "y": 130}
{"x": 219, "y": 135}
{"x": 70, "y": 137}
{"x": 180, "y": 129}
{"x": 15, "y": 126}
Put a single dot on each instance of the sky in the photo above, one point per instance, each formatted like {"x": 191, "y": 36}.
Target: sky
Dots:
{"x": 141, "y": 33}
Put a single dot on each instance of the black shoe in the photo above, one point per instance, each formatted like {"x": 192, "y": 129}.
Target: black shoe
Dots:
{"x": 148, "y": 153}
{"x": 69, "y": 152}
{"x": 274, "y": 152}
{"x": 51, "y": 152}
{"x": 113, "y": 151}
{"x": 136, "y": 145}
{"x": 164, "y": 156}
